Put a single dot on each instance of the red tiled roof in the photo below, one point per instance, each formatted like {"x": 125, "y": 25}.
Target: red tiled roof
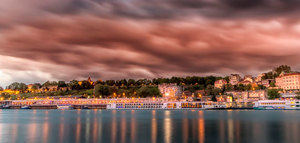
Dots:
{"x": 289, "y": 74}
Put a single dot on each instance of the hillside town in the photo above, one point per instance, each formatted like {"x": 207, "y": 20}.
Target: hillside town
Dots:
{"x": 281, "y": 84}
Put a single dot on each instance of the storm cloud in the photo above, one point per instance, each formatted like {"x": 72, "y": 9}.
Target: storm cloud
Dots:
{"x": 114, "y": 39}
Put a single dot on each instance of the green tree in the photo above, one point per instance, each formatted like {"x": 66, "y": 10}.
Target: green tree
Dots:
{"x": 247, "y": 87}
{"x": 86, "y": 85}
{"x": 272, "y": 84}
{"x": 229, "y": 87}
{"x": 18, "y": 86}
{"x": 259, "y": 87}
{"x": 239, "y": 87}
{"x": 89, "y": 92}
{"x": 62, "y": 84}
{"x": 282, "y": 68}
{"x": 210, "y": 90}
{"x": 49, "y": 83}
{"x": 148, "y": 91}
{"x": 36, "y": 86}
{"x": 131, "y": 82}
{"x": 110, "y": 82}
{"x": 298, "y": 95}
{"x": 273, "y": 93}
{"x": 101, "y": 90}
{"x": 214, "y": 98}
{"x": 74, "y": 85}
{"x": 277, "y": 71}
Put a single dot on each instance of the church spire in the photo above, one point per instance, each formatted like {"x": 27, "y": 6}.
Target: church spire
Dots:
{"x": 89, "y": 79}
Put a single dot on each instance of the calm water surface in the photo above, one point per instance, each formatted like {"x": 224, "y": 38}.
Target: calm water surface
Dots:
{"x": 123, "y": 126}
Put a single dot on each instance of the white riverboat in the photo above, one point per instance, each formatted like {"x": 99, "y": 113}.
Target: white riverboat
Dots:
{"x": 167, "y": 105}
{"x": 277, "y": 105}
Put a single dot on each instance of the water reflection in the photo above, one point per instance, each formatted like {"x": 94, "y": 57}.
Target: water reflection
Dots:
{"x": 201, "y": 128}
{"x": 61, "y": 127}
{"x": 45, "y": 128}
{"x": 113, "y": 127}
{"x": 230, "y": 130}
{"x": 95, "y": 127}
{"x": 133, "y": 127}
{"x": 87, "y": 126}
{"x": 123, "y": 127}
{"x": 168, "y": 126}
{"x": 185, "y": 128}
{"x": 32, "y": 128}
{"x": 78, "y": 126}
{"x": 14, "y": 132}
{"x": 99, "y": 126}
{"x": 154, "y": 127}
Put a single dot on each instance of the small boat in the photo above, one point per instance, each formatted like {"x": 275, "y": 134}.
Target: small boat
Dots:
{"x": 25, "y": 107}
{"x": 63, "y": 107}
{"x": 5, "y": 107}
{"x": 85, "y": 107}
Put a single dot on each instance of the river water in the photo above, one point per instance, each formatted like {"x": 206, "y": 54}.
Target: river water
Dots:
{"x": 143, "y": 126}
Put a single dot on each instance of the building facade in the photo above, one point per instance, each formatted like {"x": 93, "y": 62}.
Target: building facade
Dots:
{"x": 170, "y": 90}
{"x": 248, "y": 78}
{"x": 289, "y": 81}
{"x": 259, "y": 78}
{"x": 248, "y": 96}
{"x": 220, "y": 83}
{"x": 234, "y": 79}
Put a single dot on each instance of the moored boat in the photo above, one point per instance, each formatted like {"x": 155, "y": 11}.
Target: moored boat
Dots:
{"x": 6, "y": 107}
{"x": 277, "y": 105}
{"x": 167, "y": 105}
{"x": 25, "y": 107}
{"x": 63, "y": 107}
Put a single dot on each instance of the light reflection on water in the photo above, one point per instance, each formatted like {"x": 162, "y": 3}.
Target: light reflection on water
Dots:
{"x": 201, "y": 128}
{"x": 123, "y": 126}
{"x": 154, "y": 127}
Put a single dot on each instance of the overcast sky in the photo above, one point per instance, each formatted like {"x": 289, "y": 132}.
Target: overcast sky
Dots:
{"x": 112, "y": 39}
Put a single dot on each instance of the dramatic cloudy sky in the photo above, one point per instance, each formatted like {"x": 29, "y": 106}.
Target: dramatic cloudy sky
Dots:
{"x": 112, "y": 39}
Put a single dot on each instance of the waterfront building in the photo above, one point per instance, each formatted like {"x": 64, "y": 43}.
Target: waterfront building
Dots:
{"x": 248, "y": 96}
{"x": 220, "y": 83}
{"x": 9, "y": 91}
{"x": 288, "y": 96}
{"x": 205, "y": 98}
{"x": 170, "y": 90}
{"x": 245, "y": 82}
{"x": 290, "y": 81}
{"x": 234, "y": 79}
{"x": 259, "y": 77}
{"x": 265, "y": 83}
{"x": 200, "y": 93}
{"x": 187, "y": 93}
{"x": 30, "y": 88}
{"x": 237, "y": 96}
{"x": 224, "y": 98}
{"x": 248, "y": 78}
{"x": 257, "y": 95}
